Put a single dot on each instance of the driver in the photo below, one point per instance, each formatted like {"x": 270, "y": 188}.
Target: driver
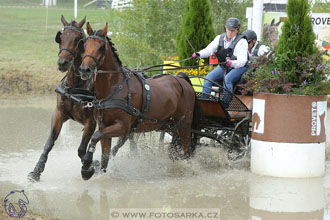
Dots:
{"x": 255, "y": 48}
{"x": 232, "y": 53}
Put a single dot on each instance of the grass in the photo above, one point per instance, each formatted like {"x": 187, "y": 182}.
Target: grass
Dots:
{"x": 38, "y": 3}
{"x": 28, "y": 50}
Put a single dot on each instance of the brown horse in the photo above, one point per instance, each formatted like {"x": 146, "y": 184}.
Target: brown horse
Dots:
{"x": 270, "y": 32}
{"x": 70, "y": 39}
{"x": 126, "y": 102}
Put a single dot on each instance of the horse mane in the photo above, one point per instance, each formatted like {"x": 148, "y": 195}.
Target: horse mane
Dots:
{"x": 113, "y": 49}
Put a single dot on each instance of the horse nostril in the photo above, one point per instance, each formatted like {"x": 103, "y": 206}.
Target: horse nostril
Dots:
{"x": 62, "y": 62}
{"x": 88, "y": 70}
{"x": 85, "y": 72}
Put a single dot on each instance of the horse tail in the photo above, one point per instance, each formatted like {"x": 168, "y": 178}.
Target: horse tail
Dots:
{"x": 184, "y": 76}
{"x": 197, "y": 114}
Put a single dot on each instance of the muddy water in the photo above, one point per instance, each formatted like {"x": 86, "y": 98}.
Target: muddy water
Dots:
{"x": 148, "y": 181}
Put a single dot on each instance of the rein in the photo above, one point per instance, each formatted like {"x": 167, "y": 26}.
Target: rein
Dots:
{"x": 148, "y": 69}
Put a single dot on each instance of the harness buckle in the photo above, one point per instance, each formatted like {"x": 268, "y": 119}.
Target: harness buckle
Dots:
{"x": 89, "y": 105}
{"x": 135, "y": 112}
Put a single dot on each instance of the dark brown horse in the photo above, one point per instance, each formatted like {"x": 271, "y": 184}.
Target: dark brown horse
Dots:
{"x": 68, "y": 107}
{"x": 126, "y": 102}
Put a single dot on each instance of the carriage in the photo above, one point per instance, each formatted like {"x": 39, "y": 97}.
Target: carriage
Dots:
{"x": 231, "y": 126}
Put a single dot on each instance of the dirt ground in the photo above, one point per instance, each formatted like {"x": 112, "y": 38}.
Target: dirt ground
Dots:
{"x": 26, "y": 81}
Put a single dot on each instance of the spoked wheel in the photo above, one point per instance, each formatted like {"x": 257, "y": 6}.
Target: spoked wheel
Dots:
{"x": 237, "y": 142}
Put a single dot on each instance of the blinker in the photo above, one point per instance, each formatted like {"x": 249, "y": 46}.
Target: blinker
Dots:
{"x": 58, "y": 37}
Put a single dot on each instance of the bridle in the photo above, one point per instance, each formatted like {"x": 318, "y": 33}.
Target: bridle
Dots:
{"x": 73, "y": 52}
{"x": 98, "y": 62}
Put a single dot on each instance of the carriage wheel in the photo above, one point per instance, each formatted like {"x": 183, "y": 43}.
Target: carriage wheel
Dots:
{"x": 236, "y": 142}
{"x": 241, "y": 140}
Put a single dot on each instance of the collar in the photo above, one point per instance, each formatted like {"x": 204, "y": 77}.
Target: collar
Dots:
{"x": 231, "y": 39}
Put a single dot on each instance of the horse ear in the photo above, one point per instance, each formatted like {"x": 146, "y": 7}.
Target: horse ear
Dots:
{"x": 105, "y": 30}
{"x": 278, "y": 23}
{"x": 82, "y": 22}
{"x": 58, "y": 37}
{"x": 64, "y": 22}
{"x": 81, "y": 47}
{"x": 89, "y": 29}
{"x": 273, "y": 22}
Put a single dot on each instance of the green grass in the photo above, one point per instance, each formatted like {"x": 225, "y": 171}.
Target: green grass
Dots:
{"x": 28, "y": 49}
{"x": 38, "y": 3}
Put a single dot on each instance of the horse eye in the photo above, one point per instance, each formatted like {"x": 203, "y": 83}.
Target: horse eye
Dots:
{"x": 102, "y": 48}
{"x": 76, "y": 39}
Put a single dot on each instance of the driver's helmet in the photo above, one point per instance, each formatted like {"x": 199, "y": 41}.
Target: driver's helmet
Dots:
{"x": 250, "y": 35}
{"x": 233, "y": 24}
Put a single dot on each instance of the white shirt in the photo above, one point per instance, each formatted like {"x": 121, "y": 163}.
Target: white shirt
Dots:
{"x": 240, "y": 50}
{"x": 262, "y": 50}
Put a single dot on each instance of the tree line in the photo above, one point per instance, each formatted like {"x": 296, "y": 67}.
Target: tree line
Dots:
{"x": 148, "y": 30}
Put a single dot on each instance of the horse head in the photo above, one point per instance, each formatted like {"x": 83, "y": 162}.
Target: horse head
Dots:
{"x": 270, "y": 32}
{"x": 70, "y": 39}
{"x": 95, "y": 50}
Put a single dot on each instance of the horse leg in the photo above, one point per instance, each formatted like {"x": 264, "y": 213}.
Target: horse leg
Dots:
{"x": 115, "y": 130}
{"x": 175, "y": 146}
{"x": 120, "y": 143}
{"x": 106, "y": 149}
{"x": 89, "y": 128}
{"x": 161, "y": 139}
{"x": 58, "y": 119}
{"x": 185, "y": 134}
{"x": 132, "y": 143}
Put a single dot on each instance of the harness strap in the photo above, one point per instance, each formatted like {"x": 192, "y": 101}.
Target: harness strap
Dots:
{"x": 117, "y": 103}
{"x": 79, "y": 95}
{"x": 62, "y": 90}
{"x": 91, "y": 56}
{"x": 64, "y": 109}
{"x": 146, "y": 92}
{"x": 73, "y": 53}
{"x": 71, "y": 27}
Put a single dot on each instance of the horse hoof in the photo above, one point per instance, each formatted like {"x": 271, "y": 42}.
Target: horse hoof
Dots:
{"x": 33, "y": 176}
{"x": 87, "y": 174}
